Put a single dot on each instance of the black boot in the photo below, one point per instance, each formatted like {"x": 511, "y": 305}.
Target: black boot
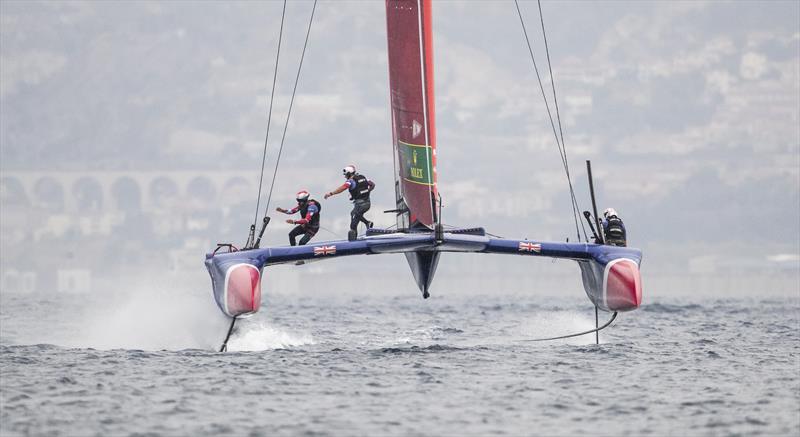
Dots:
{"x": 351, "y": 236}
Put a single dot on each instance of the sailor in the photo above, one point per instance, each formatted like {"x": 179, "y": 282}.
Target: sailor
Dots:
{"x": 308, "y": 225}
{"x": 613, "y": 228}
{"x": 359, "y": 187}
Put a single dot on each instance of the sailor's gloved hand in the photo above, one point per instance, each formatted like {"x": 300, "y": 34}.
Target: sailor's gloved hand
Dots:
{"x": 328, "y": 195}
{"x": 279, "y": 209}
{"x": 290, "y": 221}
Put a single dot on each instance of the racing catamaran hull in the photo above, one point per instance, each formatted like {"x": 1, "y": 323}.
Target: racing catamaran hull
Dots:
{"x": 610, "y": 274}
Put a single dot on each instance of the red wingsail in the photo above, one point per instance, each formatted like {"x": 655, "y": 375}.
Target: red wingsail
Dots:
{"x": 410, "y": 47}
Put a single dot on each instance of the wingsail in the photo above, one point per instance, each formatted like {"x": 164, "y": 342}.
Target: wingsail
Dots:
{"x": 410, "y": 48}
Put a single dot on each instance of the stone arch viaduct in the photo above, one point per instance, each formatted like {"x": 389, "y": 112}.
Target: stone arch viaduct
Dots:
{"x": 78, "y": 191}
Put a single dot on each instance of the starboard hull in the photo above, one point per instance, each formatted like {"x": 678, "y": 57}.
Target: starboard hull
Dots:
{"x": 237, "y": 285}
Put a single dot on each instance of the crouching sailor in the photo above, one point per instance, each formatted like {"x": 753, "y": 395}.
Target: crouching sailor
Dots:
{"x": 613, "y": 228}
{"x": 308, "y": 225}
{"x": 359, "y": 187}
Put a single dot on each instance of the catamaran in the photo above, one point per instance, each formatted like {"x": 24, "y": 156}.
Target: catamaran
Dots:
{"x": 610, "y": 274}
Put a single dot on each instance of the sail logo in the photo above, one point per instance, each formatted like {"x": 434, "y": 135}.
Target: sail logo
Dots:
{"x": 416, "y": 163}
{"x": 416, "y": 128}
{"x": 324, "y": 250}
{"x": 525, "y": 246}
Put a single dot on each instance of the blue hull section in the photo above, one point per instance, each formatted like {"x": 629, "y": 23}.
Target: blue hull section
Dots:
{"x": 610, "y": 274}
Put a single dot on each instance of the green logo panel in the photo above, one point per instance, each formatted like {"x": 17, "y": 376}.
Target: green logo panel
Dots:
{"x": 415, "y": 163}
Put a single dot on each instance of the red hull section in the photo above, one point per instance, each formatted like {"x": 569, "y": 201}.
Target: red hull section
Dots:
{"x": 242, "y": 290}
{"x": 623, "y": 285}
{"x": 410, "y": 48}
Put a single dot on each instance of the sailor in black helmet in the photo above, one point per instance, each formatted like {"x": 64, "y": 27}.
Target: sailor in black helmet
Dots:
{"x": 359, "y": 187}
{"x": 308, "y": 225}
{"x": 613, "y": 228}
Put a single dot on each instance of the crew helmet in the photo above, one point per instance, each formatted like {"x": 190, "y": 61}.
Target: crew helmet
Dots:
{"x": 302, "y": 196}
{"x": 348, "y": 171}
{"x": 609, "y": 212}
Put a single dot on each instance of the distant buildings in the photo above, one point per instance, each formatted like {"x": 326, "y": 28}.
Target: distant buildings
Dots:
{"x": 59, "y": 230}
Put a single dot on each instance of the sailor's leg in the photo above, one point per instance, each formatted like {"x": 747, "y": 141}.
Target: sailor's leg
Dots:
{"x": 308, "y": 236}
{"x": 364, "y": 208}
{"x": 355, "y": 217}
{"x": 298, "y": 230}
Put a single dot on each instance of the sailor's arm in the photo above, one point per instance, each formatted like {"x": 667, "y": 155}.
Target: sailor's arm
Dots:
{"x": 287, "y": 211}
{"x": 343, "y": 187}
{"x": 371, "y": 185}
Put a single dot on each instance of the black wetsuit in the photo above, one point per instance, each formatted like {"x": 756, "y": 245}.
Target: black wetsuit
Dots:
{"x": 359, "y": 194}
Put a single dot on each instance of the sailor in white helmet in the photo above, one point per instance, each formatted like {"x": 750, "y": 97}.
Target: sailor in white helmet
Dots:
{"x": 613, "y": 228}
{"x": 359, "y": 187}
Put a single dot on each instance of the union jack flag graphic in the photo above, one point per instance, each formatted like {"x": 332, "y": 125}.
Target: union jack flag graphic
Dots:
{"x": 325, "y": 250}
{"x": 524, "y": 246}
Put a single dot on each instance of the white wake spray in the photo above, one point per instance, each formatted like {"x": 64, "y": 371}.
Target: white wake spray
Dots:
{"x": 259, "y": 336}
{"x": 147, "y": 317}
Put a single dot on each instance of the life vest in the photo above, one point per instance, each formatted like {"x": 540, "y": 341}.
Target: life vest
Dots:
{"x": 615, "y": 232}
{"x": 314, "y": 223}
{"x": 361, "y": 189}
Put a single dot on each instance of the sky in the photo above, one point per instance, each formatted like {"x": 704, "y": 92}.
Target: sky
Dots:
{"x": 688, "y": 110}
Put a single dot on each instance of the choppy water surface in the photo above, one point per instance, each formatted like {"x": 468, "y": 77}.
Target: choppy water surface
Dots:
{"x": 403, "y": 366}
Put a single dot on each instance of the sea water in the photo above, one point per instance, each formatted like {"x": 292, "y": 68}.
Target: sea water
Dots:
{"x": 399, "y": 365}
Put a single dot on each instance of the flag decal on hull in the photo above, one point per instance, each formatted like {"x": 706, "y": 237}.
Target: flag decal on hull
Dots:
{"x": 324, "y": 250}
{"x": 525, "y": 246}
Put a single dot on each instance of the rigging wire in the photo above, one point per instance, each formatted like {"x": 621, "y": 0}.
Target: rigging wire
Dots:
{"x": 269, "y": 123}
{"x": 329, "y": 231}
{"x": 558, "y": 117}
{"x": 550, "y": 116}
{"x": 291, "y": 103}
{"x": 552, "y": 81}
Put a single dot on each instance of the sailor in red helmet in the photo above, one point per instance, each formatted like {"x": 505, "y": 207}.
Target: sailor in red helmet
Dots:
{"x": 359, "y": 187}
{"x": 308, "y": 225}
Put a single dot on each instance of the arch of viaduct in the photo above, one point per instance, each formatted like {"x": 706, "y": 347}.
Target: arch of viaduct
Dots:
{"x": 67, "y": 191}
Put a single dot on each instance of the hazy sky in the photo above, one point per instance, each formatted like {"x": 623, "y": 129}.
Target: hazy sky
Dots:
{"x": 689, "y": 110}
